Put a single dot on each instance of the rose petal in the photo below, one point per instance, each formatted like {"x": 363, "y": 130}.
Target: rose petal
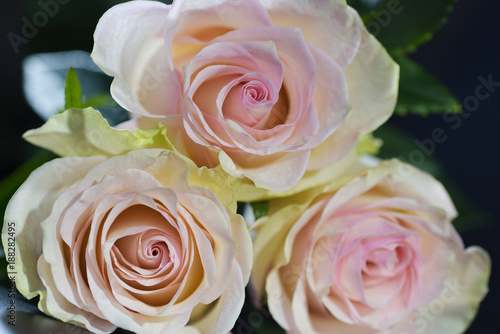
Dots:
{"x": 32, "y": 203}
{"x": 191, "y": 24}
{"x": 143, "y": 82}
{"x": 326, "y": 24}
{"x": 281, "y": 172}
{"x": 53, "y": 303}
{"x": 373, "y": 98}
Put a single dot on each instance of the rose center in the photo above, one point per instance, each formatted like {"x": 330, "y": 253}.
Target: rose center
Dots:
{"x": 382, "y": 257}
{"x": 254, "y": 92}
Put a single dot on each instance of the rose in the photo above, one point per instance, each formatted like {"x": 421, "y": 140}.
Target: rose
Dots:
{"x": 144, "y": 241}
{"x": 262, "y": 88}
{"x": 373, "y": 253}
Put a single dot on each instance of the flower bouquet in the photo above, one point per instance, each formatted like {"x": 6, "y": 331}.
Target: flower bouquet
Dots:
{"x": 240, "y": 188}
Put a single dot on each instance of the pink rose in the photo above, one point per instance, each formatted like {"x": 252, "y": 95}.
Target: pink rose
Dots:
{"x": 144, "y": 241}
{"x": 261, "y": 88}
{"x": 372, "y": 253}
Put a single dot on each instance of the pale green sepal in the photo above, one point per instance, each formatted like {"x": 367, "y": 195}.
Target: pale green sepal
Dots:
{"x": 367, "y": 144}
{"x": 84, "y": 132}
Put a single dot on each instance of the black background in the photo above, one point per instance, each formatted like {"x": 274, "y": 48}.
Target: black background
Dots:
{"x": 464, "y": 49}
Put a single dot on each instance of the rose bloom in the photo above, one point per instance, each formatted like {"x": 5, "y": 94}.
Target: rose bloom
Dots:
{"x": 373, "y": 253}
{"x": 266, "y": 89}
{"x": 144, "y": 241}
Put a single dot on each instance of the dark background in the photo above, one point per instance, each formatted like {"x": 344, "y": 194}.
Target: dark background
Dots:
{"x": 464, "y": 49}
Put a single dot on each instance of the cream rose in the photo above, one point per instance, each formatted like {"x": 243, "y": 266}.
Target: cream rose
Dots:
{"x": 265, "y": 89}
{"x": 373, "y": 253}
{"x": 144, "y": 241}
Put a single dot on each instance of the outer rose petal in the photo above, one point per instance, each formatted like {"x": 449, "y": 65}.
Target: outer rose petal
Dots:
{"x": 246, "y": 191}
{"x": 194, "y": 23}
{"x": 54, "y": 304}
{"x": 325, "y": 23}
{"x": 465, "y": 287}
{"x": 373, "y": 98}
{"x": 32, "y": 203}
{"x": 143, "y": 81}
{"x": 223, "y": 315}
{"x": 291, "y": 164}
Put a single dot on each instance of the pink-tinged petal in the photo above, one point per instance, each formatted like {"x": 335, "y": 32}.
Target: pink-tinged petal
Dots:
{"x": 325, "y": 323}
{"x": 54, "y": 251}
{"x": 201, "y": 278}
{"x": 299, "y": 70}
{"x": 123, "y": 220}
{"x": 321, "y": 265}
{"x": 372, "y": 80}
{"x": 350, "y": 191}
{"x": 133, "y": 161}
{"x": 279, "y": 172}
{"x": 330, "y": 96}
{"x": 30, "y": 205}
{"x": 418, "y": 185}
{"x": 300, "y": 305}
{"x": 436, "y": 249}
{"x": 279, "y": 301}
{"x": 339, "y": 307}
{"x": 132, "y": 50}
{"x": 348, "y": 275}
{"x": 249, "y": 101}
{"x": 54, "y": 304}
{"x": 326, "y": 24}
{"x": 246, "y": 192}
{"x": 84, "y": 206}
{"x": 464, "y": 287}
{"x": 191, "y": 24}
{"x": 432, "y": 217}
{"x": 223, "y": 314}
{"x": 298, "y": 61}
{"x": 274, "y": 137}
{"x": 220, "y": 234}
{"x": 132, "y": 321}
{"x": 250, "y": 55}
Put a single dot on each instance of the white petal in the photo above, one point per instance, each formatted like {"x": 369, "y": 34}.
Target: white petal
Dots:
{"x": 30, "y": 205}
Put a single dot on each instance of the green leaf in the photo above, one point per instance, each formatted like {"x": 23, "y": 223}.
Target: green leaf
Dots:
{"x": 11, "y": 183}
{"x": 363, "y": 7}
{"x": 402, "y": 25}
{"x": 72, "y": 90}
{"x": 99, "y": 100}
{"x": 421, "y": 93}
{"x": 84, "y": 132}
{"x": 399, "y": 144}
{"x": 260, "y": 209}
